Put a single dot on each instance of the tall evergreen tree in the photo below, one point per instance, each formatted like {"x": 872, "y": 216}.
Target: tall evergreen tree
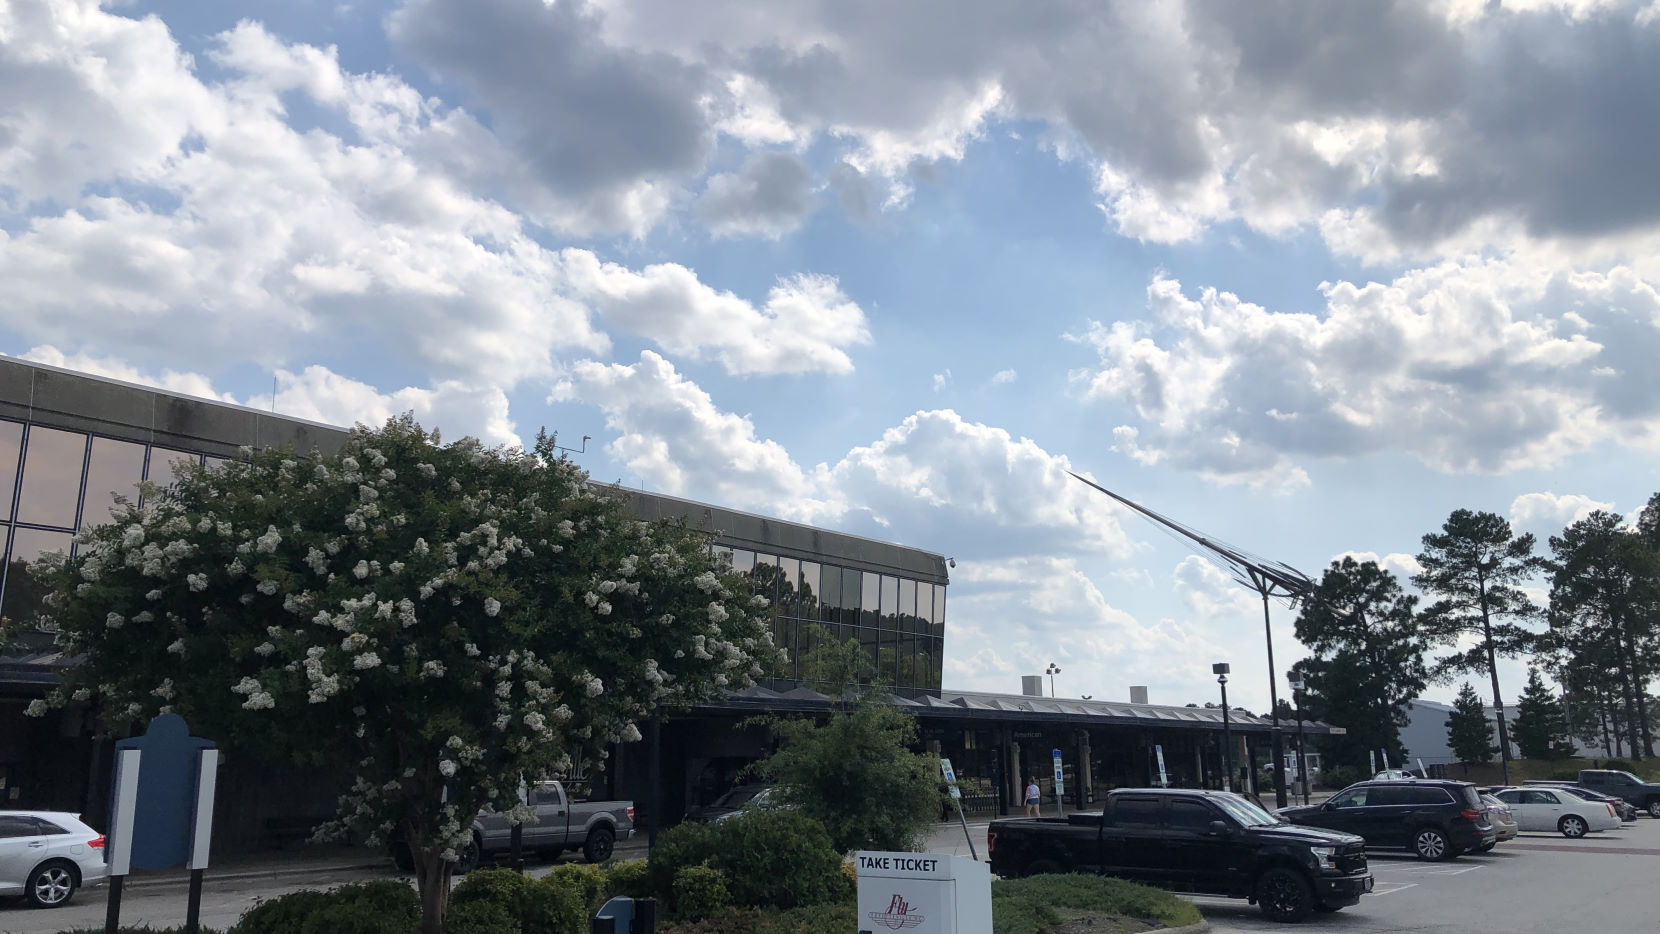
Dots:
{"x": 1541, "y": 726}
{"x": 1605, "y": 591}
{"x": 1368, "y": 659}
{"x": 1468, "y": 731}
{"x": 1474, "y": 567}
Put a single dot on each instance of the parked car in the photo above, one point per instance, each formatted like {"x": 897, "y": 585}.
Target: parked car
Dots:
{"x": 738, "y": 800}
{"x": 46, "y": 855}
{"x": 561, "y": 824}
{"x": 1626, "y": 811}
{"x": 1502, "y": 819}
{"x": 1201, "y": 842}
{"x": 1394, "y": 775}
{"x": 1625, "y": 786}
{"x": 1435, "y": 819}
{"x": 1553, "y": 809}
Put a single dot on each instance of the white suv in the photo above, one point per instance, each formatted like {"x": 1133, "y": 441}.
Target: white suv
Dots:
{"x": 46, "y": 855}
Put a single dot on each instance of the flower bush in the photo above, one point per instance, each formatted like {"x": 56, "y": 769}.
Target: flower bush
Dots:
{"x": 438, "y": 620}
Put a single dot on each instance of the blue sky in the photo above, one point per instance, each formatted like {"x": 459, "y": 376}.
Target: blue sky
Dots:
{"x": 1308, "y": 278}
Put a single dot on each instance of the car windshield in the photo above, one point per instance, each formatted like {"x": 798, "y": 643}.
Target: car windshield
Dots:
{"x": 1244, "y": 811}
{"x": 738, "y": 797}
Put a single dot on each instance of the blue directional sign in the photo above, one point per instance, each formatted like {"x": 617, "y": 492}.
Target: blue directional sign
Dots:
{"x": 164, "y": 811}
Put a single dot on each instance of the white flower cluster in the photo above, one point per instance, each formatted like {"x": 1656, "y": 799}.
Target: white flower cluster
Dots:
{"x": 706, "y": 582}
{"x": 258, "y": 697}
{"x": 366, "y": 661}
{"x": 197, "y": 582}
{"x": 267, "y": 544}
{"x": 114, "y": 621}
{"x": 492, "y": 606}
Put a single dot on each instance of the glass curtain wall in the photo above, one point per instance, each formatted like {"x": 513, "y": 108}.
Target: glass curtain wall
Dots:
{"x": 53, "y": 482}
{"x": 899, "y": 622}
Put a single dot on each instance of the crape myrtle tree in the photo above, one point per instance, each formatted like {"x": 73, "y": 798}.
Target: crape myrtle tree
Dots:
{"x": 1368, "y": 658}
{"x": 1474, "y": 569}
{"x": 1469, "y": 732}
{"x": 440, "y": 622}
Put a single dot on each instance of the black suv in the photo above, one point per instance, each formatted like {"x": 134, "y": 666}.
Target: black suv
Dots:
{"x": 1203, "y": 842}
{"x": 1435, "y": 819}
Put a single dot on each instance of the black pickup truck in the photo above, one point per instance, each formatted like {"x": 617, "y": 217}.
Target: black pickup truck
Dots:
{"x": 1640, "y": 794}
{"x": 1198, "y": 842}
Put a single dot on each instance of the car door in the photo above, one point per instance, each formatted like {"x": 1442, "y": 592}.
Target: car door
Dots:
{"x": 1347, "y": 811}
{"x": 1131, "y": 838}
{"x": 1196, "y": 859}
{"x": 21, "y": 846}
{"x": 1520, "y": 811}
{"x": 1540, "y": 810}
{"x": 552, "y": 814}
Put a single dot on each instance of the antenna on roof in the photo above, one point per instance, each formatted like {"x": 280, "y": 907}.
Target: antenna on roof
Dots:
{"x": 581, "y": 450}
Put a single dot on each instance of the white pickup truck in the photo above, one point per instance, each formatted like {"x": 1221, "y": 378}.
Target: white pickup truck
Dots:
{"x": 561, "y": 824}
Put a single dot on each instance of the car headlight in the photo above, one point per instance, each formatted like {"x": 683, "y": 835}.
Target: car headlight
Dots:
{"x": 1326, "y": 855}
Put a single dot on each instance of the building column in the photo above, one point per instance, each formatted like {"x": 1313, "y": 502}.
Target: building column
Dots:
{"x": 1017, "y": 782}
{"x": 1085, "y": 771}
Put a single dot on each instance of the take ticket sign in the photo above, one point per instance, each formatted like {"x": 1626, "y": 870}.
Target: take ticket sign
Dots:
{"x": 922, "y": 893}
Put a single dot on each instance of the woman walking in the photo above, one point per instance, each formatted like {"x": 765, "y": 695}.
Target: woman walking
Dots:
{"x": 1033, "y": 796}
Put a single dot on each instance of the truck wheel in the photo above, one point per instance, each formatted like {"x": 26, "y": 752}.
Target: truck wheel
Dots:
{"x": 1284, "y": 895}
{"x": 598, "y": 847}
{"x": 468, "y": 861}
{"x": 1654, "y": 808}
{"x": 1572, "y": 826}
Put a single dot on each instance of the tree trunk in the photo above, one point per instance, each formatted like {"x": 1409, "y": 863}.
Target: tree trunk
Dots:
{"x": 432, "y": 875}
{"x": 1640, "y": 677}
{"x": 1625, "y": 665}
{"x": 1493, "y": 670}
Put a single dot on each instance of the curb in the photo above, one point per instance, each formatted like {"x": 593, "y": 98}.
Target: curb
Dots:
{"x": 210, "y": 876}
{"x": 1201, "y": 928}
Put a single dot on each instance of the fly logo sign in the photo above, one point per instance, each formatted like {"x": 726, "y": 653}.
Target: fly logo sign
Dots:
{"x": 899, "y": 916}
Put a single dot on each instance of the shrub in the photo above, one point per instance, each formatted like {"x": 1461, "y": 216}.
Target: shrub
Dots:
{"x": 553, "y": 905}
{"x": 682, "y": 845}
{"x": 1617, "y": 765}
{"x": 817, "y": 919}
{"x": 592, "y": 883}
{"x": 630, "y": 878}
{"x": 501, "y": 901}
{"x": 1337, "y": 776}
{"x": 699, "y": 892}
{"x": 1027, "y": 906}
{"x": 501, "y": 886}
{"x": 384, "y": 907}
{"x": 480, "y": 917}
{"x": 779, "y": 859}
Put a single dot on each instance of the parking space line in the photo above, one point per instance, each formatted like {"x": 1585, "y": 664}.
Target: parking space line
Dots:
{"x": 1379, "y": 889}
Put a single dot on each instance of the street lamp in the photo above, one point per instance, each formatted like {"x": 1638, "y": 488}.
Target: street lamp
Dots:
{"x": 1220, "y": 670}
{"x": 1052, "y": 671}
{"x": 1295, "y": 678}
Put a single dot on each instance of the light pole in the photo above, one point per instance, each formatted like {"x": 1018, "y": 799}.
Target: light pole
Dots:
{"x": 1295, "y": 678}
{"x": 1052, "y": 671}
{"x": 1220, "y": 669}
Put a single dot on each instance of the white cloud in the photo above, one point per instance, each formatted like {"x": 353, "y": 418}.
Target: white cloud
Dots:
{"x": 806, "y": 325}
{"x": 1403, "y": 566}
{"x": 1546, "y": 514}
{"x": 188, "y": 384}
{"x": 1004, "y": 377}
{"x": 1489, "y": 366}
{"x": 769, "y": 197}
{"x": 941, "y": 380}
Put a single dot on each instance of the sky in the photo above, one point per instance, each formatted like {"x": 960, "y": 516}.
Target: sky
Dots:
{"x": 1306, "y": 276}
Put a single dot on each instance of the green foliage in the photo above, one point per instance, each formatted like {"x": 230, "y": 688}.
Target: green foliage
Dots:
{"x": 382, "y": 907}
{"x": 699, "y": 892}
{"x": 630, "y": 878}
{"x": 1541, "y": 728}
{"x": 1026, "y": 906}
{"x": 441, "y": 616}
{"x": 552, "y": 905}
{"x": 591, "y": 883}
{"x": 1368, "y": 659}
{"x": 1616, "y": 765}
{"x": 139, "y": 929}
{"x": 779, "y": 859}
{"x": 855, "y": 772}
{"x": 1341, "y": 776}
{"x": 1469, "y": 732}
{"x": 817, "y": 919}
{"x": 683, "y": 845}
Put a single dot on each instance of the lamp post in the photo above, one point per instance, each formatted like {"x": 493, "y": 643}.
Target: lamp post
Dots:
{"x": 1295, "y": 678}
{"x": 1220, "y": 669}
{"x": 1052, "y": 671}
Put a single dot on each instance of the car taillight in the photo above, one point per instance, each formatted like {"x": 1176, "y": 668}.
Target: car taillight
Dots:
{"x": 1610, "y": 808}
{"x": 631, "y": 813}
{"x": 96, "y": 843}
{"x": 1470, "y": 815}
{"x": 991, "y": 843}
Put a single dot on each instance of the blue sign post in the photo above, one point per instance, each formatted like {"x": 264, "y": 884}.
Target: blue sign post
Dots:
{"x": 161, "y": 810}
{"x": 1060, "y": 787}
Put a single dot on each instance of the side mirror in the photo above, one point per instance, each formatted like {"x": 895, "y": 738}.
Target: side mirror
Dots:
{"x": 1218, "y": 829}
{"x": 1329, "y": 806}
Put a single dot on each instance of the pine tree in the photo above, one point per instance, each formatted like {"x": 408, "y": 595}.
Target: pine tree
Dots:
{"x": 1541, "y": 725}
{"x": 1468, "y": 732}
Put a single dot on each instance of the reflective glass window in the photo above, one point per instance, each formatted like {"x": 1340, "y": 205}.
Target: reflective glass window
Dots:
{"x": 114, "y": 468}
{"x": 1190, "y": 816}
{"x": 722, "y": 553}
{"x": 925, "y": 608}
{"x": 765, "y": 577}
{"x": 890, "y": 602}
{"x": 927, "y": 663}
{"x": 830, "y": 594}
{"x": 11, "y": 445}
{"x": 743, "y": 560}
{"x": 870, "y": 600}
{"x": 888, "y": 662}
{"x": 52, "y": 462}
{"x": 24, "y": 594}
{"x": 213, "y": 462}
{"x": 907, "y": 605}
{"x": 870, "y": 640}
{"x": 906, "y": 675}
{"x": 939, "y": 610}
{"x": 165, "y": 463}
{"x": 1135, "y": 812}
{"x": 783, "y": 636}
{"x": 789, "y": 578}
{"x": 807, "y": 591}
{"x": 851, "y": 591}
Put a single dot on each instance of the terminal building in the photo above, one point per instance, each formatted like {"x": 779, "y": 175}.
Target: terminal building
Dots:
{"x": 69, "y": 440}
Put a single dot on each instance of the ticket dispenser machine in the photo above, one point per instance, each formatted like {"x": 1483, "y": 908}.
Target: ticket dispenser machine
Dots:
{"x": 923, "y": 893}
